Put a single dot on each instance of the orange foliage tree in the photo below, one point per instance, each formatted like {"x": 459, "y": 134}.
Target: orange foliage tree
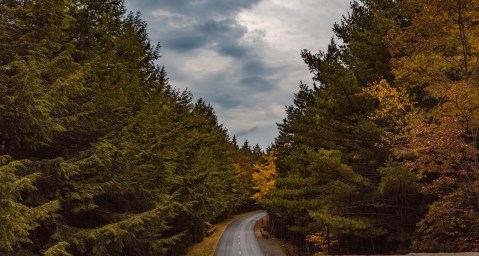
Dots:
{"x": 436, "y": 58}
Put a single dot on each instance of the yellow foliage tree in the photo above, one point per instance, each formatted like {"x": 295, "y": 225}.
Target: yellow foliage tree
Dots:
{"x": 324, "y": 240}
{"x": 394, "y": 109}
{"x": 264, "y": 176}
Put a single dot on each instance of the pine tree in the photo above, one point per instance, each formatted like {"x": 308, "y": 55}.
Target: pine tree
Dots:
{"x": 333, "y": 122}
{"x": 18, "y": 218}
{"x": 117, "y": 147}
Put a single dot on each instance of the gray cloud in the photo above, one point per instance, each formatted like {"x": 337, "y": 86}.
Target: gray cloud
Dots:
{"x": 226, "y": 99}
{"x": 215, "y": 26}
{"x": 225, "y": 36}
{"x": 185, "y": 26}
{"x": 221, "y": 36}
{"x": 194, "y": 7}
{"x": 243, "y": 133}
{"x": 258, "y": 83}
{"x": 186, "y": 42}
{"x": 259, "y": 66}
{"x": 233, "y": 50}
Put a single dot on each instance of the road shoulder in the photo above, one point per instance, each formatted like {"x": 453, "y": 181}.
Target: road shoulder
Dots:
{"x": 270, "y": 247}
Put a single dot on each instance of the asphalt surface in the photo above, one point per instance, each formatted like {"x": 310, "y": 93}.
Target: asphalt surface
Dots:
{"x": 239, "y": 237}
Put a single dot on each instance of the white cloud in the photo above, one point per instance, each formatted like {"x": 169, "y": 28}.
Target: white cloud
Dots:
{"x": 294, "y": 25}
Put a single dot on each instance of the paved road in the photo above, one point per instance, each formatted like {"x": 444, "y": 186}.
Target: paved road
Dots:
{"x": 239, "y": 237}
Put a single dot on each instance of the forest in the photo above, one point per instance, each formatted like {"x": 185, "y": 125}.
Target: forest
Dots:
{"x": 101, "y": 155}
{"x": 380, "y": 155}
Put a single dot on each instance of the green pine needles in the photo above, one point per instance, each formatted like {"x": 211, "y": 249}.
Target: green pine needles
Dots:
{"x": 99, "y": 154}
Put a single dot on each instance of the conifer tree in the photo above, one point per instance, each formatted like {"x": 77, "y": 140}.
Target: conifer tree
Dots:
{"x": 130, "y": 165}
{"x": 332, "y": 121}
{"x": 19, "y": 219}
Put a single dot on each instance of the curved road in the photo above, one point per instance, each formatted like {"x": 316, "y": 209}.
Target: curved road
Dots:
{"x": 239, "y": 237}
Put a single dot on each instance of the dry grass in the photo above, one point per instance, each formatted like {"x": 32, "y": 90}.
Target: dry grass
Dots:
{"x": 208, "y": 246}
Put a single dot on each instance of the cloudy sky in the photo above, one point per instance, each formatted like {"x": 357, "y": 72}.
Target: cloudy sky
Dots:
{"x": 241, "y": 56}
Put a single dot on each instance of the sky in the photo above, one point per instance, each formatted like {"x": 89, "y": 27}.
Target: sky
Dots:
{"x": 240, "y": 56}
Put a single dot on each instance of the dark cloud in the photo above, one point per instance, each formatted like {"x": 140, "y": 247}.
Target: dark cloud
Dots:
{"x": 247, "y": 131}
{"x": 259, "y": 66}
{"x": 215, "y": 26}
{"x": 206, "y": 8}
{"x": 222, "y": 36}
{"x": 185, "y": 25}
{"x": 257, "y": 83}
{"x": 226, "y": 100}
{"x": 227, "y": 91}
{"x": 225, "y": 36}
{"x": 186, "y": 42}
{"x": 233, "y": 50}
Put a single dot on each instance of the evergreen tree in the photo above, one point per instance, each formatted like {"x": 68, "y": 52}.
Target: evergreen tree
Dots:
{"x": 330, "y": 151}
{"x": 130, "y": 165}
{"x": 18, "y": 218}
